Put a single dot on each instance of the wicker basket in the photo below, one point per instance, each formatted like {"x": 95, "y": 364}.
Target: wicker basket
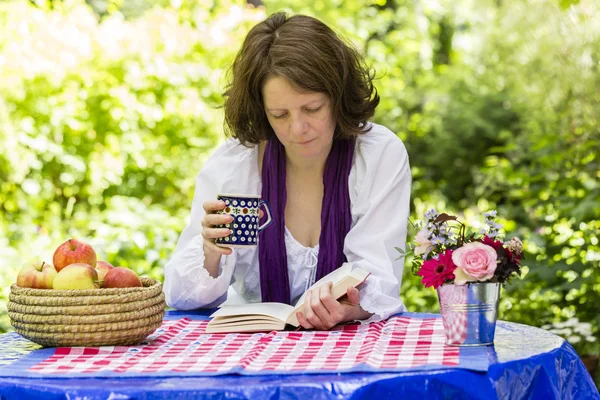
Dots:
{"x": 94, "y": 317}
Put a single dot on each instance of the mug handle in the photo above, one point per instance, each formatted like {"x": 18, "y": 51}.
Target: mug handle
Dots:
{"x": 268, "y": 210}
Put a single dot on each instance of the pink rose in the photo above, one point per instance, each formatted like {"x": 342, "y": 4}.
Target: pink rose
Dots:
{"x": 476, "y": 260}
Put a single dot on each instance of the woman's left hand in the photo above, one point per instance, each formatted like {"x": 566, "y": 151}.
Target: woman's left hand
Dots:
{"x": 323, "y": 312}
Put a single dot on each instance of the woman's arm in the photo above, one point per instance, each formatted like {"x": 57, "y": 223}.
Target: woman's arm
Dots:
{"x": 196, "y": 275}
{"x": 380, "y": 210}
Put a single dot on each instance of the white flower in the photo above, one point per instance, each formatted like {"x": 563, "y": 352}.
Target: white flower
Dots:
{"x": 422, "y": 239}
{"x": 490, "y": 214}
{"x": 514, "y": 245}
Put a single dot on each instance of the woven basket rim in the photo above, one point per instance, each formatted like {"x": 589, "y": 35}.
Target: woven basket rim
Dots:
{"x": 85, "y": 309}
{"x": 148, "y": 284}
{"x": 83, "y": 299}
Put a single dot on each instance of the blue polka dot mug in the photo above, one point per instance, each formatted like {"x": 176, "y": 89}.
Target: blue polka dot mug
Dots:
{"x": 245, "y": 225}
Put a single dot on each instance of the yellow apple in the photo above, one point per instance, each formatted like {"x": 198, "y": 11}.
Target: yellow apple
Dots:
{"x": 76, "y": 276}
{"x": 121, "y": 277}
{"x": 36, "y": 274}
{"x": 72, "y": 252}
{"x": 102, "y": 267}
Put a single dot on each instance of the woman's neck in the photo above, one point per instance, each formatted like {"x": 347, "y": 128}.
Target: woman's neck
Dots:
{"x": 305, "y": 167}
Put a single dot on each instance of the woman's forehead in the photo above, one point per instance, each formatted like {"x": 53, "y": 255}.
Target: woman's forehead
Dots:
{"x": 278, "y": 91}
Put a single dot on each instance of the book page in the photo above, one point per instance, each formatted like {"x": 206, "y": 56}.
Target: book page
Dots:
{"x": 244, "y": 320}
{"x": 259, "y": 326}
{"x": 279, "y": 311}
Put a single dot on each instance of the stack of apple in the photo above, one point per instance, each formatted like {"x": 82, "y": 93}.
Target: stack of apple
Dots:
{"x": 75, "y": 267}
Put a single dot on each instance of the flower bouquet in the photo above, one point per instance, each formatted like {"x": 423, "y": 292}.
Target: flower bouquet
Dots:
{"x": 467, "y": 271}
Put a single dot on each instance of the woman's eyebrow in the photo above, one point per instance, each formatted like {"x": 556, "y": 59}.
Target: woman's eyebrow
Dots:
{"x": 305, "y": 105}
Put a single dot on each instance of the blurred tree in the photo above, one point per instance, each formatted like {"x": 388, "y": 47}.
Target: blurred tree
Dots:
{"x": 104, "y": 125}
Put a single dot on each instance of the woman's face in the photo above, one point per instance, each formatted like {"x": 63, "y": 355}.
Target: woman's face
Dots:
{"x": 302, "y": 121}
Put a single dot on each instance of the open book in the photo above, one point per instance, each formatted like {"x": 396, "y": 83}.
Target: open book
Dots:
{"x": 257, "y": 317}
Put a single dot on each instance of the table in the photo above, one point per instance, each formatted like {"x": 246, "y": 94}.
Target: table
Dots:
{"x": 525, "y": 363}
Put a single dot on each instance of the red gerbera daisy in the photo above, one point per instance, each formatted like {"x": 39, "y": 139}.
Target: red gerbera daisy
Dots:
{"x": 436, "y": 272}
{"x": 496, "y": 244}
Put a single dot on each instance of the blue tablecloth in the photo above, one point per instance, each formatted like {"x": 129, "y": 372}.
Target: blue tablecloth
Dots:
{"x": 525, "y": 363}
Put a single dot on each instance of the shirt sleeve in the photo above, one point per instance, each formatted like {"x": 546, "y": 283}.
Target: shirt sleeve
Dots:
{"x": 187, "y": 283}
{"x": 380, "y": 218}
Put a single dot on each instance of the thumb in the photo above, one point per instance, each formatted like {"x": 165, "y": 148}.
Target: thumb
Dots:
{"x": 353, "y": 296}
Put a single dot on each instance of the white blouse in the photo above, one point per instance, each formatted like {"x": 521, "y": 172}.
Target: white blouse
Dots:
{"x": 379, "y": 185}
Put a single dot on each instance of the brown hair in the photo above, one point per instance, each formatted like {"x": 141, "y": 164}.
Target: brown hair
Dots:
{"x": 311, "y": 57}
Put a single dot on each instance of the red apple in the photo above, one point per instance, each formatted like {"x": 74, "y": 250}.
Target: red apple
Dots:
{"x": 102, "y": 267}
{"x": 121, "y": 277}
{"x": 76, "y": 276}
{"x": 36, "y": 274}
{"x": 73, "y": 251}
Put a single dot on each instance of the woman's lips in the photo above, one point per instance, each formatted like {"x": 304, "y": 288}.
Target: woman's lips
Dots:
{"x": 306, "y": 142}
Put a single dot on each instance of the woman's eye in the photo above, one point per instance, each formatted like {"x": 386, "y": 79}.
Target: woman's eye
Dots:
{"x": 279, "y": 116}
{"x": 313, "y": 110}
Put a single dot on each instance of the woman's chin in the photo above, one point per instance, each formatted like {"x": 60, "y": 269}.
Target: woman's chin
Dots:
{"x": 310, "y": 154}
{"x": 312, "y": 150}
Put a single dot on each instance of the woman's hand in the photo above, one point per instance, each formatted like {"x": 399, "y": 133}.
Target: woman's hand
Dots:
{"x": 323, "y": 312}
{"x": 210, "y": 233}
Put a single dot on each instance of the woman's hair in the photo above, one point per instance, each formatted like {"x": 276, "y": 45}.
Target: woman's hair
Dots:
{"x": 311, "y": 57}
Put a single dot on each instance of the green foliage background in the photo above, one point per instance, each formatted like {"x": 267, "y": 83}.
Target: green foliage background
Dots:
{"x": 108, "y": 112}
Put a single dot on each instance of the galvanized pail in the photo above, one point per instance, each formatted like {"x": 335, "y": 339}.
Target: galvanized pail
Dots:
{"x": 469, "y": 313}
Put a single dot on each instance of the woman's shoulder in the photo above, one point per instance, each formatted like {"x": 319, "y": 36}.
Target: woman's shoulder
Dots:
{"x": 230, "y": 154}
{"x": 232, "y": 147}
{"x": 379, "y": 142}
{"x": 380, "y": 162}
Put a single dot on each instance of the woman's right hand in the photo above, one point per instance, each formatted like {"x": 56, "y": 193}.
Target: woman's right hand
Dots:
{"x": 210, "y": 232}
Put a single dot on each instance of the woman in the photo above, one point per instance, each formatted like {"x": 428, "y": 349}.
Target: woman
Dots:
{"x": 339, "y": 186}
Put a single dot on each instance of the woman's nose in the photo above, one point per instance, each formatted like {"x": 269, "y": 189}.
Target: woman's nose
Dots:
{"x": 298, "y": 125}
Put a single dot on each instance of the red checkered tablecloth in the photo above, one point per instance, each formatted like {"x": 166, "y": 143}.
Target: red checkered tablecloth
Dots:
{"x": 182, "y": 347}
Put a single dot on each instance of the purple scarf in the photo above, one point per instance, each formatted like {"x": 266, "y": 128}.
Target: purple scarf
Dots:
{"x": 335, "y": 217}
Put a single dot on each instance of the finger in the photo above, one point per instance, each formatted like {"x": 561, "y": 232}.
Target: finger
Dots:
{"x": 335, "y": 311}
{"x": 353, "y": 296}
{"x": 214, "y": 233}
{"x": 213, "y": 205}
{"x": 303, "y": 321}
{"x": 261, "y": 214}
{"x": 212, "y": 247}
{"x": 319, "y": 309}
{"x": 216, "y": 219}
{"x": 309, "y": 312}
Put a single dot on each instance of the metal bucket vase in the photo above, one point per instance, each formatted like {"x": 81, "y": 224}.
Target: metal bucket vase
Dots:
{"x": 469, "y": 313}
